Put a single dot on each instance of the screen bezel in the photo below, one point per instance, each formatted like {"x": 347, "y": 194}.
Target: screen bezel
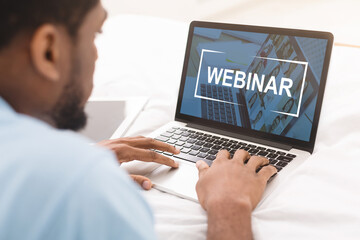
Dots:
{"x": 294, "y": 143}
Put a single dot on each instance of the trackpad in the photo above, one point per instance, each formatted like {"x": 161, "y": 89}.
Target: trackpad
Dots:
{"x": 180, "y": 182}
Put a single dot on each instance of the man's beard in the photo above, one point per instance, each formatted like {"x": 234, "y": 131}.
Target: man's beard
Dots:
{"x": 68, "y": 112}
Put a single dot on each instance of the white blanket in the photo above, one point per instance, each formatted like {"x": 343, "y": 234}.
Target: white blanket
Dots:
{"x": 142, "y": 56}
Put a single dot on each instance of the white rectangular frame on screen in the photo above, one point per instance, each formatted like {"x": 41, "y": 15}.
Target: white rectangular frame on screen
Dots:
{"x": 274, "y": 59}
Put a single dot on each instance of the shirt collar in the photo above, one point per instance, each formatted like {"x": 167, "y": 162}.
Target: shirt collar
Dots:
{"x": 5, "y": 106}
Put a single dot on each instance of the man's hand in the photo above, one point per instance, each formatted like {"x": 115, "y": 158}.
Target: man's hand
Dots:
{"x": 138, "y": 148}
{"x": 229, "y": 190}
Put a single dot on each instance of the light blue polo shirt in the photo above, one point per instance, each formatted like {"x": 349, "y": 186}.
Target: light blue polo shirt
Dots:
{"x": 54, "y": 185}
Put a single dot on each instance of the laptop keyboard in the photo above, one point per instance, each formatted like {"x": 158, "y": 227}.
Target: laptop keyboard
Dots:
{"x": 218, "y": 111}
{"x": 197, "y": 146}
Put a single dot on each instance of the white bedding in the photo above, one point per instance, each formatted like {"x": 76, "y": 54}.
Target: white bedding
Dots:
{"x": 142, "y": 56}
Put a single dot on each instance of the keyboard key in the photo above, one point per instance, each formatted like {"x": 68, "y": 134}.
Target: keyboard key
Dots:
{"x": 175, "y": 127}
{"x": 281, "y": 153}
{"x": 291, "y": 155}
{"x": 273, "y": 162}
{"x": 213, "y": 152}
{"x": 251, "y": 146}
{"x": 233, "y": 146}
{"x": 246, "y": 148}
{"x": 183, "y": 139}
{"x": 253, "y": 151}
{"x": 224, "y": 139}
{"x": 218, "y": 142}
{"x": 202, "y": 155}
{"x": 262, "y": 153}
{"x": 193, "y": 136}
{"x": 281, "y": 164}
{"x": 200, "y": 143}
{"x": 187, "y": 145}
{"x": 185, "y": 150}
{"x": 171, "y": 130}
{"x": 204, "y": 150}
{"x": 202, "y": 138}
{"x": 183, "y": 129}
{"x": 216, "y": 147}
{"x": 236, "y": 146}
{"x": 191, "y": 140}
{"x": 171, "y": 141}
{"x": 283, "y": 158}
{"x": 190, "y": 158}
{"x": 166, "y": 134}
{"x": 207, "y": 135}
{"x": 233, "y": 141}
{"x": 161, "y": 138}
{"x": 168, "y": 154}
{"x": 179, "y": 143}
{"x": 185, "y": 134}
{"x": 261, "y": 148}
{"x": 208, "y": 145}
{"x": 176, "y": 136}
{"x": 215, "y": 137}
{"x": 271, "y": 155}
{"x": 195, "y": 147}
{"x": 178, "y": 132}
{"x": 191, "y": 131}
{"x": 193, "y": 152}
{"x": 211, "y": 157}
{"x": 199, "y": 133}
{"x": 187, "y": 157}
{"x": 271, "y": 150}
{"x": 227, "y": 144}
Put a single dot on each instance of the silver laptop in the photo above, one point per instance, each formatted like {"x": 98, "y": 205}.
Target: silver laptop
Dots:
{"x": 245, "y": 87}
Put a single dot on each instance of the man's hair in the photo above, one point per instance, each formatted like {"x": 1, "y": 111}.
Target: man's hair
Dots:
{"x": 18, "y": 16}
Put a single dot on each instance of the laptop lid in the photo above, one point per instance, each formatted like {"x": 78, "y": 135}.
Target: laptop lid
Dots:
{"x": 252, "y": 81}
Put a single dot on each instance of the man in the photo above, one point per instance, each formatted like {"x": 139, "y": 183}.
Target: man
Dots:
{"x": 53, "y": 184}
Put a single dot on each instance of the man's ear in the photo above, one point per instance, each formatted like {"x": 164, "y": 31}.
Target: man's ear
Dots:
{"x": 45, "y": 52}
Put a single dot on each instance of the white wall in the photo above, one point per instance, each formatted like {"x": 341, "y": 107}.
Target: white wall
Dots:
{"x": 338, "y": 16}
{"x": 185, "y": 10}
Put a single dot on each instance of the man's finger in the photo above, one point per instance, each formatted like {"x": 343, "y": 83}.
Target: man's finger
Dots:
{"x": 124, "y": 139}
{"x": 241, "y": 155}
{"x": 256, "y": 161}
{"x": 202, "y": 167}
{"x": 223, "y": 155}
{"x": 144, "y": 182}
{"x": 267, "y": 172}
{"x": 150, "y": 143}
{"x": 151, "y": 156}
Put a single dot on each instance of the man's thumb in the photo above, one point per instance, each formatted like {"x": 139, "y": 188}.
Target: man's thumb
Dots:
{"x": 144, "y": 182}
{"x": 202, "y": 167}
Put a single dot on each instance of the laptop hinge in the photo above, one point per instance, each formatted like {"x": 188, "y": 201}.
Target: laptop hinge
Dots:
{"x": 240, "y": 136}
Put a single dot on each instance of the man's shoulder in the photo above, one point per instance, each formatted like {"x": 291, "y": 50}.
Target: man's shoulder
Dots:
{"x": 78, "y": 183}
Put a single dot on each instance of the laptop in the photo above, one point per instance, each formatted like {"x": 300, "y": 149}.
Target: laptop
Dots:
{"x": 244, "y": 87}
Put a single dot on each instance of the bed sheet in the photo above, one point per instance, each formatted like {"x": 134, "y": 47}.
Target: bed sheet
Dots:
{"x": 143, "y": 56}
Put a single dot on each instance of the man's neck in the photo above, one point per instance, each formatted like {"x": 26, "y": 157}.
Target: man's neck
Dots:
{"x": 19, "y": 108}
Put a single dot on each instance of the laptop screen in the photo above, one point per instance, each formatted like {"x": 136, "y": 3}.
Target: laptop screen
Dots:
{"x": 259, "y": 81}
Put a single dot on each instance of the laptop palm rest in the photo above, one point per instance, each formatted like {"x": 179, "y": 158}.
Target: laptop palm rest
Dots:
{"x": 183, "y": 179}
